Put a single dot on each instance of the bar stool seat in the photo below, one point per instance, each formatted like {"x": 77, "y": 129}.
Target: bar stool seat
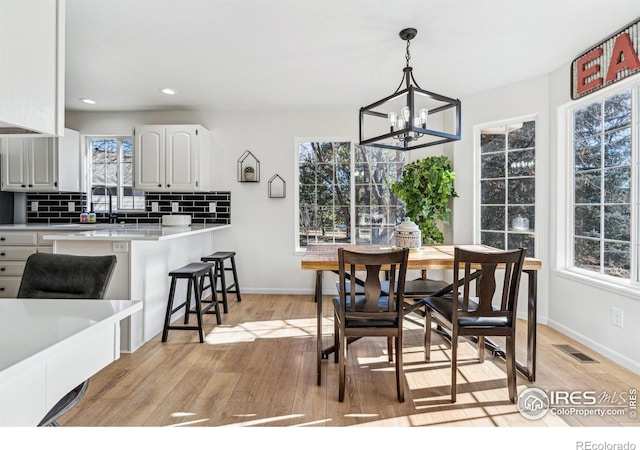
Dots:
{"x": 220, "y": 268}
{"x": 195, "y": 274}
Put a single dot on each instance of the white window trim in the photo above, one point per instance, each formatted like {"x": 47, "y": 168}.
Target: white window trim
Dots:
{"x": 565, "y": 225}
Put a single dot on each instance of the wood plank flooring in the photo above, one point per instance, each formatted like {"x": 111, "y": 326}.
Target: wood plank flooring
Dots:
{"x": 259, "y": 369}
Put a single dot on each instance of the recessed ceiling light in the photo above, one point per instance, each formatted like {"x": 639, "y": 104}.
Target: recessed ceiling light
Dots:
{"x": 168, "y": 91}
{"x": 88, "y": 101}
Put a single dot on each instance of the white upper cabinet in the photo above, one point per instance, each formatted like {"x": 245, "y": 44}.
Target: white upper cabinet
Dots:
{"x": 41, "y": 163}
{"x": 171, "y": 158}
{"x": 32, "y": 76}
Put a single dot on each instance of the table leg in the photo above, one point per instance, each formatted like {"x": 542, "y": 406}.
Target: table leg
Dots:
{"x": 318, "y": 299}
{"x": 529, "y": 370}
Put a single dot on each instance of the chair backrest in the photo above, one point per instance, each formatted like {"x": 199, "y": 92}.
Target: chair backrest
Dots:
{"x": 373, "y": 302}
{"x": 48, "y": 275}
{"x": 480, "y": 267}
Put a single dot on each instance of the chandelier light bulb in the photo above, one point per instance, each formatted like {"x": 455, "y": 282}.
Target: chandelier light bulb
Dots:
{"x": 406, "y": 113}
{"x": 393, "y": 117}
{"x": 423, "y": 113}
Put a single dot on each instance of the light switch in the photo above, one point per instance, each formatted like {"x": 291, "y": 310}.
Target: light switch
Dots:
{"x": 212, "y": 207}
{"x": 34, "y": 206}
{"x": 71, "y": 206}
{"x": 154, "y": 206}
{"x": 175, "y": 207}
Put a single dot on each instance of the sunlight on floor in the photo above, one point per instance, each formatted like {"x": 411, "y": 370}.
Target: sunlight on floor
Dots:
{"x": 250, "y": 331}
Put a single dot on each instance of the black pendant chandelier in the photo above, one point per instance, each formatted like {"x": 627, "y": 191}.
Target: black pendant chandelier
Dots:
{"x": 410, "y": 117}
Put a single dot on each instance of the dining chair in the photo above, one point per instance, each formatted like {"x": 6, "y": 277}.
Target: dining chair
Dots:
{"x": 370, "y": 311}
{"x": 56, "y": 276}
{"x": 474, "y": 312}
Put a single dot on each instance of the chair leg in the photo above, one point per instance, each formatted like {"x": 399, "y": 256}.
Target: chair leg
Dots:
{"x": 399, "y": 367}
{"x": 198, "y": 295}
{"x": 390, "y": 348}
{"x": 511, "y": 367}
{"x": 235, "y": 278}
{"x": 454, "y": 364}
{"x": 167, "y": 317}
{"x": 343, "y": 362}
{"x": 336, "y": 338}
{"x": 481, "y": 349}
{"x": 427, "y": 335}
{"x": 188, "y": 302}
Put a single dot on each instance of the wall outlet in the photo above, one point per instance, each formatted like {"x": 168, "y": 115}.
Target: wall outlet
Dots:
{"x": 154, "y": 207}
{"x": 175, "y": 207}
{"x": 212, "y": 207}
{"x": 120, "y": 246}
{"x": 71, "y": 206}
{"x": 617, "y": 317}
{"x": 34, "y": 206}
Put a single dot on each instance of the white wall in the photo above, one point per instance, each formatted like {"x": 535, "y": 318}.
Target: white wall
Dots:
{"x": 578, "y": 308}
{"x": 262, "y": 229}
{"x": 525, "y": 99}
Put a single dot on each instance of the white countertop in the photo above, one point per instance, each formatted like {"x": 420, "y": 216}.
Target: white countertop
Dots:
{"x": 49, "y": 346}
{"x": 129, "y": 232}
{"x": 31, "y": 327}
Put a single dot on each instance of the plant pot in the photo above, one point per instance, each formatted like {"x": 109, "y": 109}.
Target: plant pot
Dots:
{"x": 249, "y": 176}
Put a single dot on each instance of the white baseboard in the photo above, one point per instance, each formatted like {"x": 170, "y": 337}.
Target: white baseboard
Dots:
{"x": 614, "y": 356}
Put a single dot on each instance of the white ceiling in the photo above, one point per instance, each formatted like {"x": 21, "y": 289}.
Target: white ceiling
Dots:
{"x": 235, "y": 55}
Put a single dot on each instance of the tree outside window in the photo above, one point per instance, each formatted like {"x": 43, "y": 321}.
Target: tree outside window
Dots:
{"x": 111, "y": 162}
{"x": 507, "y": 185}
{"x": 602, "y": 174}
{"x": 345, "y": 195}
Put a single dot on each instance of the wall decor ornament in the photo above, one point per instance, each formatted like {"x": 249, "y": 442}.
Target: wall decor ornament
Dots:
{"x": 248, "y": 168}
{"x": 277, "y": 187}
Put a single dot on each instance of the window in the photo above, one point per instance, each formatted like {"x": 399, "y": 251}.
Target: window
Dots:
{"x": 507, "y": 185}
{"x": 344, "y": 193}
{"x": 111, "y": 175}
{"x": 602, "y": 176}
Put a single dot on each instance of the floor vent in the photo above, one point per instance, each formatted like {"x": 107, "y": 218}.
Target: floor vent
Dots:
{"x": 577, "y": 354}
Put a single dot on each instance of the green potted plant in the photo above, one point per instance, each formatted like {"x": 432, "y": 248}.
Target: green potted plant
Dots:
{"x": 249, "y": 173}
{"x": 426, "y": 187}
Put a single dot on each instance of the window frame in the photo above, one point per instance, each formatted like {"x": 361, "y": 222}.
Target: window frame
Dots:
{"x": 564, "y": 256}
{"x": 478, "y": 177}
{"x": 88, "y": 182}
{"x": 353, "y": 206}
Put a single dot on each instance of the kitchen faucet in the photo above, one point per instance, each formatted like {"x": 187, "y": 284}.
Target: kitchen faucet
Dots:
{"x": 112, "y": 217}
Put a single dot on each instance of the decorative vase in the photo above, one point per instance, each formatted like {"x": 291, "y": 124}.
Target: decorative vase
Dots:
{"x": 408, "y": 235}
{"x": 249, "y": 176}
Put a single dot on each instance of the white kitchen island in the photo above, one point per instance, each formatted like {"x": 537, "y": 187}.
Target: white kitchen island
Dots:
{"x": 146, "y": 254}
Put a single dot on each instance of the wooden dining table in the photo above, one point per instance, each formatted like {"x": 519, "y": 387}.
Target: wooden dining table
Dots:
{"x": 324, "y": 258}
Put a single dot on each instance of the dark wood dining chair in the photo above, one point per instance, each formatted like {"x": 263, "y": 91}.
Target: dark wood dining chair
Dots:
{"x": 476, "y": 313}
{"x": 53, "y": 276}
{"x": 370, "y": 312}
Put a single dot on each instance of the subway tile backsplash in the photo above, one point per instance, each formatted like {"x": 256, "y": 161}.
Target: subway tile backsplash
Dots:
{"x": 53, "y": 207}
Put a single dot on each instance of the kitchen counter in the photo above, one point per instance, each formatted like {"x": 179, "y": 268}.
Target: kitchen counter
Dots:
{"x": 145, "y": 256}
{"x": 49, "y": 346}
{"x": 127, "y": 232}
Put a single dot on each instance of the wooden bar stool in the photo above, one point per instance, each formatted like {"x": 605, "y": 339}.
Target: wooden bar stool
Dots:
{"x": 219, "y": 259}
{"x": 194, "y": 273}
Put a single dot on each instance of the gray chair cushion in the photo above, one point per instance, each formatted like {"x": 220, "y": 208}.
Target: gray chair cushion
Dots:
{"x": 444, "y": 307}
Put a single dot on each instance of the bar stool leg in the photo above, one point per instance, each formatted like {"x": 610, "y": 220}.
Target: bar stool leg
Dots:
{"x": 198, "y": 307}
{"x": 188, "y": 302}
{"x": 223, "y": 284}
{"x": 167, "y": 318}
{"x": 235, "y": 278}
{"x": 214, "y": 295}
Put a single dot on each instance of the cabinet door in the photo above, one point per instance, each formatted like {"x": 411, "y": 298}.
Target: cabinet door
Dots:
{"x": 42, "y": 163}
{"x": 149, "y": 158}
{"x": 181, "y": 157}
{"x": 15, "y": 161}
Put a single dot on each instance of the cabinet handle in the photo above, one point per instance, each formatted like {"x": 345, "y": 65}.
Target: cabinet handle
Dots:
{"x": 2, "y": 238}
{"x": 1, "y": 289}
{"x": 31, "y": 185}
{"x": 2, "y": 269}
{"x": 168, "y": 185}
{"x": 3, "y": 254}
{"x": 24, "y": 185}
{"x": 159, "y": 185}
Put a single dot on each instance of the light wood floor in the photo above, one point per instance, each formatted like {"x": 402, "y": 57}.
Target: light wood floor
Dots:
{"x": 259, "y": 369}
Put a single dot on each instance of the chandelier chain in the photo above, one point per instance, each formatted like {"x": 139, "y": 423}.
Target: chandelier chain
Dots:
{"x": 408, "y": 55}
